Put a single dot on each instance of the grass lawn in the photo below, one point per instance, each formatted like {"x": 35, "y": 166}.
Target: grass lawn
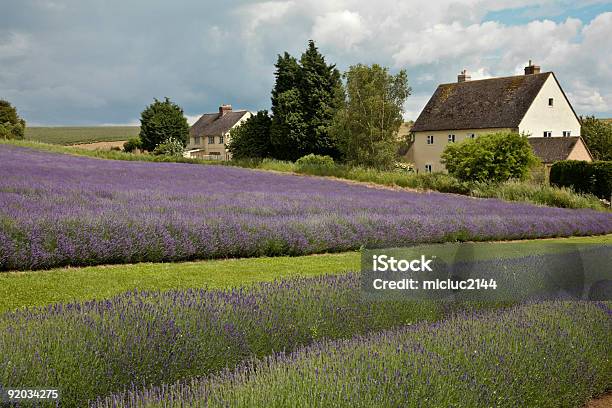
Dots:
{"x": 38, "y": 288}
{"x": 70, "y": 135}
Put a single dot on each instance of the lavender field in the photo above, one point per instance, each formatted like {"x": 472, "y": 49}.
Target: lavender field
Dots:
{"x": 140, "y": 338}
{"x": 65, "y": 210}
{"x": 553, "y": 354}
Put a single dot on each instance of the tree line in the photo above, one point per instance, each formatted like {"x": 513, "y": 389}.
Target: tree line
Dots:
{"x": 314, "y": 112}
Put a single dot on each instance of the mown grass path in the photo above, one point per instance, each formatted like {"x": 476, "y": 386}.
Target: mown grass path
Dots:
{"x": 39, "y": 288}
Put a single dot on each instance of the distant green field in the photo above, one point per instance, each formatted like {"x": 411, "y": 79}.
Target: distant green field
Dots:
{"x": 70, "y": 135}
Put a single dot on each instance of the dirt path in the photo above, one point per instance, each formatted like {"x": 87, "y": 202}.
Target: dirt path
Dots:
{"x": 605, "y": 401}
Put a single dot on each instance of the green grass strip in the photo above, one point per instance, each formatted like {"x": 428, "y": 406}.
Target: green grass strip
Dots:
{"x": 39, "y": 288}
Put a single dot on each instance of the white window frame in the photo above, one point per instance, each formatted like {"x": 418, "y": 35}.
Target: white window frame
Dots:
{"x": 547, "y": 133}
{"x": 567, "y": 133}
{"x": 428, "y": 168}
{"x": 430, "y": 139}
{"x": 221, "y": 139}
{"x": 197, "y": 140}
{"x": 211, "y": 140}
{"x": 451, "y": 138}
{"x": 471, "y": 136}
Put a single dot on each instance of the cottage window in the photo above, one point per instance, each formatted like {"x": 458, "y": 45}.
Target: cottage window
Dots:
{"x": 428, "y": 168}
{"x": 551, "y": 101}
{"x": 197, "y": 140}
{"x": 547, "y": 133}
{"x": 451, "y": 138}
{"x": 567, "y": 133}
{"x": 471, "y": 135}
{"x": 430, "y": 139}
{"x": 221, "y": 139}
{"x": 211, "y": 140}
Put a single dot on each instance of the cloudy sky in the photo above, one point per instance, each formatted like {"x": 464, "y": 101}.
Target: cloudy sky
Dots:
{"x": 85, "y": 62}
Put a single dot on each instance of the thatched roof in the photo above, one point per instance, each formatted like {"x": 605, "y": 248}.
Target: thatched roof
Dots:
{"x": 480, "y": 104}
{"x": 212, "y": 124}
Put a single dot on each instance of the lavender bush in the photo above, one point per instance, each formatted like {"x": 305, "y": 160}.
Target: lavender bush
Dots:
{"x": 555, "y": 354}
{"x": 142, "y": 338}
{"x": 66, "y": 210}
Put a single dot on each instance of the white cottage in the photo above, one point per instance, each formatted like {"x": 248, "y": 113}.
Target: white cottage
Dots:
{"x": 533, "y": 103}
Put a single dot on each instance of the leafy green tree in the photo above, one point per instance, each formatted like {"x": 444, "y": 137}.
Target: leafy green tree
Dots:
{"x": 305, "y": 98}
{"x": 598, "y": 136}
{"x": 366, "y": 127}
{"x": 494, "y": 157}
{"x": 132, "y": 144}
{"x": 252, "y": 138}
{"x": 11, "y": 125}
{"x": 160, "y": 121}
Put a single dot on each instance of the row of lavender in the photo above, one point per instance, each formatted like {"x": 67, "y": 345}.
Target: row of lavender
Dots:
{"x": 65, "y": 210}
{"x": 142, "y": 338}
{"x": 554, "y": 354}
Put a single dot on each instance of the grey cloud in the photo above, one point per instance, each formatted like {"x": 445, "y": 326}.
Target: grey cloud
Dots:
{"x": 90, "y": 62}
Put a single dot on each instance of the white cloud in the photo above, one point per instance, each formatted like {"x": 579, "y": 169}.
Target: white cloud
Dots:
{"x": 14, "y": 45}
{"x": 259, "y": 14}
{"x": 342, "y": 29}
{"x": 191, "y": 119}
{"x": 585, "y": 98}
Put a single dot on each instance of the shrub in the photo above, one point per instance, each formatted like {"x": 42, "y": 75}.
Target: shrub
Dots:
{"x": 403, "y": 167}
{"x": 584, "y": 177}
{"x": 11, "y": 131}
{"x": 495, "y": 157}
{"x": 314, "y": 160}
{"x": 160, "y": 121}
{"x": 543, "y": 194}
{"x": 171, "y": 147}
{"x": 132, "y": 144}
{"x": 11, "y": 125}
{"x": 444, "y": 183}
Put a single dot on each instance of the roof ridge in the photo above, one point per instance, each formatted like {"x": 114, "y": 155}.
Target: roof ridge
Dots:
{"x": 493, "y": 78}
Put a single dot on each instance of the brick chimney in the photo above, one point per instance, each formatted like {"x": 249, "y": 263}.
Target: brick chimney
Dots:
{"x": 532, "y": 69}
{"x": 463, "y": 76}
{"x": 223, "y": 109}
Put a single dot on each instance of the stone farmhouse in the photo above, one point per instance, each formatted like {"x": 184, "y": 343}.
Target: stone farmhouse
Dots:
{"x": 533, "y": 104}
{"x": 209, "y": 136}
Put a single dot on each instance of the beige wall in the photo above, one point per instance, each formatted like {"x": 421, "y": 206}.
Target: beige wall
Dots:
{"x": 421, "y": 153}
{"x": 217, "y": 147}
{"x": 556, "y": 118}
{"x": 579, "y": 152}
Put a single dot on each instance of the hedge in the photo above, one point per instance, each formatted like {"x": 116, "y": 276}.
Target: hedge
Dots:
{"x": 584, "y": 177}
